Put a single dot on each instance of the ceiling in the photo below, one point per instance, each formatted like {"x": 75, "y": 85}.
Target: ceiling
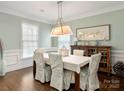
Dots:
{"x": 46, "y": 11}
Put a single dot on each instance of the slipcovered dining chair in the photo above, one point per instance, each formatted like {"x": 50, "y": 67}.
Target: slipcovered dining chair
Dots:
{"x": 60, "y": 78}
{"x": 43, "y": 71}
{"x": 78, "y": 52}
{"x": 88, "y": 76}
{"x": 63, "y": 52}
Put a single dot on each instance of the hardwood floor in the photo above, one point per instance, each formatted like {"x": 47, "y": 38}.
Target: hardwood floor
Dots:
{"x": 22, "y": 80}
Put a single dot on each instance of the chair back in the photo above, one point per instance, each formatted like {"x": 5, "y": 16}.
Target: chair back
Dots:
{"x": 57, "y": 71}
{"x": 78, "y": 52}
{"x": 38, "y": 56}
{"x": 63, "y": 52}
{"x": 56, "y": 61}
{"x": 39, "y": 50}
{"x": 94, "y": 63}
{"x": 40, "y": 65}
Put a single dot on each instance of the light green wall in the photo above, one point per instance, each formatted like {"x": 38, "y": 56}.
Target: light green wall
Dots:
{"x": 10, "y": 31}
{"x": 115, "y": 19}
{"x": 44, "y": 36}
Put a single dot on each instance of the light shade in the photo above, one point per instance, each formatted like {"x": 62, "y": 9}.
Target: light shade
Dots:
{"x": 61, "y": 30}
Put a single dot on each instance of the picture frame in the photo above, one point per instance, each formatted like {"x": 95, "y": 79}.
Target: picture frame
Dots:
{"x": 100, "y": 32}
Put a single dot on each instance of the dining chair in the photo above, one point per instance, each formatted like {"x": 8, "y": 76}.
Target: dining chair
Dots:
{"x": 88, "y": 75}
{"x": 43, "y": 71}
{"x": 51, "y": 49}
{"x": 78, "y": 52}
{"x": 63, "y": 52}
{"x": 60, "y": 78}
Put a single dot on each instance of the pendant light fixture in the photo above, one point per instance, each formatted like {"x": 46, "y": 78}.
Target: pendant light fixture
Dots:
{"x": 60, "y": 27}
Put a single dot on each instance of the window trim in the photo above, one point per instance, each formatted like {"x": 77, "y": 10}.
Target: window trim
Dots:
{"x": 69, "y": 41}
{"x": 22, "y": 57}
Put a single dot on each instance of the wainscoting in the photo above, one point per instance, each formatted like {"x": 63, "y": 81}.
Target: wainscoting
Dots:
{"x": 14, "y": 62}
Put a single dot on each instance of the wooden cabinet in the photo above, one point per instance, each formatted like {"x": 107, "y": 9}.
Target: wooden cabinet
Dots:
{"x": 105, "y": 64}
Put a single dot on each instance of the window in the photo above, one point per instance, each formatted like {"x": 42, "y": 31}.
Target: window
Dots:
{"x": 29, "y": 39}
{"x": 64, "y": 41}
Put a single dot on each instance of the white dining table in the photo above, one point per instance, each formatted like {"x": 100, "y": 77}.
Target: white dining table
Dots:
{"x": 73, "y": 63}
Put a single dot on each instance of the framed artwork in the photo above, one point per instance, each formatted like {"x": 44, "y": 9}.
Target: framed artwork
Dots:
{"x": 101, "y": 32}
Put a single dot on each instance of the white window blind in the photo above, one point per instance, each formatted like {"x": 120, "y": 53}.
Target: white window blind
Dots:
{"x": 29, "y": 39}
{"x": 64, "y": 41}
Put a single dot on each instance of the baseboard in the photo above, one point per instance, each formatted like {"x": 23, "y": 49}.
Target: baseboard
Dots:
{"x": 22, "y": 64}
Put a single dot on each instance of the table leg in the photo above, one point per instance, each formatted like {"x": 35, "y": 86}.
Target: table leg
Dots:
{"x": 34, "y": 69}
{"x": 77, "y": 81}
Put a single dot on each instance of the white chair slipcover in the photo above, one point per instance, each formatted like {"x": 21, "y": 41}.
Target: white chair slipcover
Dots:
{"x": 2, "y": 60}
{"x": 88, "y": 76}
{"x": 48, "y": 73}
{"x": 60, "y": 78}
{"x": 39, "y": 50}
{"x": 43, "y": 71}
{"x": 93, "y": 68}
{"x": 84, "y": 77}
{"x": 78, "y": 52}
{"x": 63, "y": 52}
{"x": 51, "y": 49}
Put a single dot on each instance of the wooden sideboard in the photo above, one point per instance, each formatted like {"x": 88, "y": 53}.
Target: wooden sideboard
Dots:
{"x": 105, "y": 63}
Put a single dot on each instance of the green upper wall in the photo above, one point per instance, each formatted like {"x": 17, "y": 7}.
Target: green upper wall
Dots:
{"x": 44, "y": 36}
{"x": 115, "y": 19}
{"x": 10, "y": 31}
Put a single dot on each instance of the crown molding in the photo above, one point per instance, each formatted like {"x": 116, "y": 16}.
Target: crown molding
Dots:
{"x": 7, "y": 10}
{"x": 98, "y": 12}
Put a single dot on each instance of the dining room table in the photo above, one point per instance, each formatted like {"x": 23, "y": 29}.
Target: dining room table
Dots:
{"x": 71, "y": 62}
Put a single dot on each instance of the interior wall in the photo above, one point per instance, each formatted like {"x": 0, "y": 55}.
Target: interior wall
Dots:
{"x": 116, "y": 21}
{"x": 10, "y": 31}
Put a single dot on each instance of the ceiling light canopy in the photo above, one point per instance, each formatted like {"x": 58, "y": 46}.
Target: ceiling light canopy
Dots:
{"x": 60, "y": 28}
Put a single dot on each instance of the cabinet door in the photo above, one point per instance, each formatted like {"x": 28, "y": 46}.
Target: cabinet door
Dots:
{"x": 105, "y": 59}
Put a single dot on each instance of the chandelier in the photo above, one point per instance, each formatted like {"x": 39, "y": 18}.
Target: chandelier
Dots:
{"x": 60, "y": 28}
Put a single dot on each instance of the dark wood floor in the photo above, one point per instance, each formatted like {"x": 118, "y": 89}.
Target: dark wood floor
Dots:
{"x": 22, "y": 80}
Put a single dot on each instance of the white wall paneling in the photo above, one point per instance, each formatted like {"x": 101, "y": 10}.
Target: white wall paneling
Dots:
{"x": 14, "y": 62}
